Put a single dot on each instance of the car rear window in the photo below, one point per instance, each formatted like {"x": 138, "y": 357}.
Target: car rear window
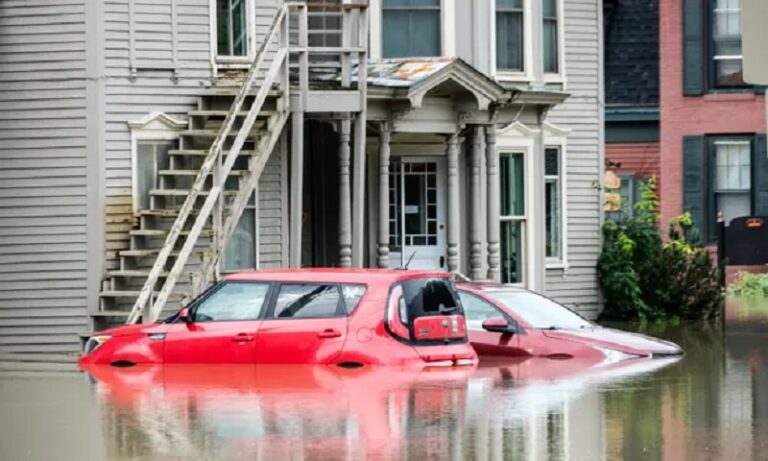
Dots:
{"x": 433, "y": 296}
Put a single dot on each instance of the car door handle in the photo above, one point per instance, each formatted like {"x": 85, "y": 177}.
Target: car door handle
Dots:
{"x": 242, "y": 338}
{"x": 329, "y": 333}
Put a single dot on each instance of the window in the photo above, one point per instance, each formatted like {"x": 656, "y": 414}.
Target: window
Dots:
{"x": 511, "y": 170}
{"x": 308, "y": 300}
{"x": 550, "y": 39}
{"x": 231, "y": 28}
{"x": 630, "y": 194}
{"x": 241, "y": 252}
{"x": 477, "y": 310}
{"x": 352, "y": 294}
{"x": 539, "y": 311}
{"x": 553, "y": 204}
{"x": 231, "y": 302}
{"x": 732, "y": 178}
{"x": 726, "y": 43}
{"x": 151, "y": 157}
{"x": 411, "y": 28}
{"x": 509, "y": 35}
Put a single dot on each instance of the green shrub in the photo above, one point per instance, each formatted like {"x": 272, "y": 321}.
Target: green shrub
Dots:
{"x": 645, "y": 278}
{"x": 748, "y": 284}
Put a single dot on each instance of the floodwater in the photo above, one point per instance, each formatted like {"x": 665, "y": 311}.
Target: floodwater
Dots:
{"x": 710, "y": 405}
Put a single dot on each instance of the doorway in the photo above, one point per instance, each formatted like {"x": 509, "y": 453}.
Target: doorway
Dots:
{"x": 417, "y": 213}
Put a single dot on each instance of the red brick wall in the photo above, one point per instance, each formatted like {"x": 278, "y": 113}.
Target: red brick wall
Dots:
{"x": 640, "y": 158}
{"x": 680, "y": 115}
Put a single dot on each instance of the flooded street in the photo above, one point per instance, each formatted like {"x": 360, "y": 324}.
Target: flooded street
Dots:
{"x": 710, "y": 405}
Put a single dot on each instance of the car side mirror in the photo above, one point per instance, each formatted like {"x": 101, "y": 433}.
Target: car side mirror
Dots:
{"x": 184, "y": 315}
{"x": 498, "y": 325}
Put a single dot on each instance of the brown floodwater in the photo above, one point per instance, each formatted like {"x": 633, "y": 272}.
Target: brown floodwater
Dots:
{"x": 710, "y": 405}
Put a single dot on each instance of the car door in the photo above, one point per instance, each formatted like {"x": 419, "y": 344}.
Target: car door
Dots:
{"x": 305, "y": 323}
{"x": 222, "y": 326}
{"x": 488, "y": 343}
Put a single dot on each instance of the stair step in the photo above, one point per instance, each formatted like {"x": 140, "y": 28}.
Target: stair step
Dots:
{"x": 164, "y": 232}
{"x": 185, "y": 192}
{"x": 134, "y": 294}
{"x": 233, "y": 89}
{"x": 140, "y": 273}
{"x": 202, "y": 152}
{"x": 162, "y": 212}
{"x": 152, "y": 252}
{"x": 223, "y": 113}
{"x": 202, "y": 133}
{"x": 195, "y": 172}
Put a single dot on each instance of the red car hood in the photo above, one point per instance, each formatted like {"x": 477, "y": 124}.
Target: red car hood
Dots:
{"x": 631, "y": 343}
{"x": 128, "y": 330}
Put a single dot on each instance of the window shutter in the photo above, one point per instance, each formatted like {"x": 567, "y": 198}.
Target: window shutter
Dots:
{"x": 693, "y": 47}
{"x": 694, "y": 180}
{"x": 760, "y": 176}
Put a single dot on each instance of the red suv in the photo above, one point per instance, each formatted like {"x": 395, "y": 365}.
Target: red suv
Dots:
{"x": 349, "y": 317}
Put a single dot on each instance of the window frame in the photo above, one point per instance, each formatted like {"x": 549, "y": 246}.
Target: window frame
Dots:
{"x": 559, "y": 76}
{"x": 376, "y": 28}
{"x": 711, "y": 56}
{"x": 557, "y": 137}
{"x": 232, "y": 62}
{"x": 521, "y": 219}
{"x": 709, "y": 235}
{"x": 527, "y": 74}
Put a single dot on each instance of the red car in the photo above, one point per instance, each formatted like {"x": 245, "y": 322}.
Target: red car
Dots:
{"x": 504, "y": 321}
{"x": 309, "y": 316}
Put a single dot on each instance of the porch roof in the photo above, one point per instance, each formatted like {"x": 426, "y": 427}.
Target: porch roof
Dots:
{"x": 413, "y": 78}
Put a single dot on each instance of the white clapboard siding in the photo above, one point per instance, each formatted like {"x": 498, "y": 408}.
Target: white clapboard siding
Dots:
{"x": 581, "y": 113}
{"x": 42, "y": 175}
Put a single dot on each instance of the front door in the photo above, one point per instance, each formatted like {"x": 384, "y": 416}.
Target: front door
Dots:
{"x": 417, "y": 214}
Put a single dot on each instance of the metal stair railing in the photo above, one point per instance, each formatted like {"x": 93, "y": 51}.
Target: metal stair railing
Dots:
{"x": 215, "y": 155}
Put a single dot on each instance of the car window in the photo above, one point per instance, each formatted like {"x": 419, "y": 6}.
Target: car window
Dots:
{"x": 477, "y": 310}
{"x": 539, "y": 311}
{"x": 232, "y": 301}
{"x": 430, "y": 296}
{"x": 308, "y": 300}
{"x": 352, "y": 294}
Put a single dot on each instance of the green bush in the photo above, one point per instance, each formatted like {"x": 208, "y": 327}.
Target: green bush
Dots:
{"x": 644, "y": 277}
{"x": 748, "y": 284}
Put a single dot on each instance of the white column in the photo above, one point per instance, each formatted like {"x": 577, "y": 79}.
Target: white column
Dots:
{"x": 476, "y": 203}
{"x": 536, "y": 263}
{"x": 296, "y": 186}
{"x": 452, "y": 152}
{"x": 493, "y": 202}
{"x": 345, "y": 202}
{"x": 385, "y": 136}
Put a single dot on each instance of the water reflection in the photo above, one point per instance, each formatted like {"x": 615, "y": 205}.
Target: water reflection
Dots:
{"x": 710, "y": 405}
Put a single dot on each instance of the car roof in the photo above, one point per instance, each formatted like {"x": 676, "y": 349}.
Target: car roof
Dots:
{"x": 490, "y": 287}
{"x": 337, "y": 275}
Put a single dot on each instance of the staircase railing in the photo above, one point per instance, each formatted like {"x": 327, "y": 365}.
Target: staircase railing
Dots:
{"x": 215, "y": 155}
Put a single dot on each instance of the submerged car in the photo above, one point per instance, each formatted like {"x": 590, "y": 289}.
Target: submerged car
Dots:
{"x": 347, "y": 317}
{"x": 505, "y": 321}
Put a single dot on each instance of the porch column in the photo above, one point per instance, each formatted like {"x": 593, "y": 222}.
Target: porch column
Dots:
{"x": 345, "y": 202}
{"x": 385, "y": 136}
{"x": 493, "y": 202}
{"x": 297, "y": 186}
{"x": 476, "y": 203}
{"x": 452, "y": 152}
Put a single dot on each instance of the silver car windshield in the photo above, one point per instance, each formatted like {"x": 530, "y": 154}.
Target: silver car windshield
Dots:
{"x": 540, "y": 312}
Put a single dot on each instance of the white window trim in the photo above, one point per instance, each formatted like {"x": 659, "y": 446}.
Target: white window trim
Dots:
{"x": 447, "y": 28}
{"x": 527, "y": 75}
{"x": 555, "y": 136}
{"x": 233, "y": 62}
{"x": 157, "y": 126}
{"x": 559, "y": 76}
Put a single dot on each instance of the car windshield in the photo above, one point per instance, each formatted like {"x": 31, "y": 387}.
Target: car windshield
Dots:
{"x": 540, "y": 312}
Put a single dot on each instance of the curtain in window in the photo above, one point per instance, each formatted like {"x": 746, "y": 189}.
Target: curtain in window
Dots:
{"x": 726, "y": 36}
{"x": 411, "y": 28}
{"x": 733, "y": 180}
{"x": 509, "y": 35}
